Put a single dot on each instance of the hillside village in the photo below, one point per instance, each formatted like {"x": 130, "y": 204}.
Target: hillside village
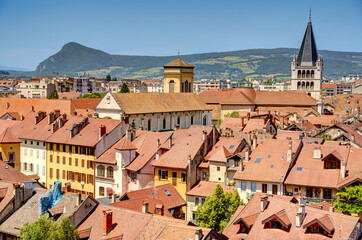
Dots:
{"x": 141, "y": 164}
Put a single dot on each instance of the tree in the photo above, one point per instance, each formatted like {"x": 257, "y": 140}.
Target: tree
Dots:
{"x": 45, "y": 228}
{"x": 124, "y": 88}
{"x": 350, "y": 199}
{"x": 217, "y": 210}
{"x": 54, "y": 94}
{"x": 108, "y": 77}
{"x": 93, "y": 95}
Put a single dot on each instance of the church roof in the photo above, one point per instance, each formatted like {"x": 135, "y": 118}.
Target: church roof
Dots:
{"x": 308, "y": 55}
{"x": 178, "y": 63}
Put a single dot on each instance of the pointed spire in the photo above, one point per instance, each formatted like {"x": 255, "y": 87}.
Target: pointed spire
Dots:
{"x": 308, "y": 54}
{"x": 310, "y": 14}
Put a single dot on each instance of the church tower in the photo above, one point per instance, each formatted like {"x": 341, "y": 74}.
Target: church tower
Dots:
{"x": 307, "y": 66}
{"x": 178, "y": 76}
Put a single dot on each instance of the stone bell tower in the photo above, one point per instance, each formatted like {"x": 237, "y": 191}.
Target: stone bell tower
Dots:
{"x": 307, "y": 66}
{"x": 178, "y": 76}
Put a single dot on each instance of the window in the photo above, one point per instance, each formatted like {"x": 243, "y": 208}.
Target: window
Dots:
{"x": 37, "y": 143}
{"x": 37, "y": 153}
{"x": 90, "y": 179}
{"x": 196, "y": 201}
{"x": 43, "y": 170}
{"x": 37, "y": 169}
{"x": 132, "y": 176}
{"x": 43, "y": 144}
{"x": 275, "y": 189}
{"x": 51, "y": 172}
{"x": 58, "y": 159}
{"x": 70, "y": 161}
{"x": 83, "y": 150}
{"x": 26, "y": 142}
{"x": 218, "y": 169}
{"x": 63, "y": 174}
{"x": 43, "y": 154}
{"x": 100, "y": 171}
{"x": 327, "y": 193}
{"x": 31, "y": 152}
{"x": 109, "y": 172}
{"x": 192, "y": 120}
{"x": 243, "y": 186}
{"x": 11, "y": 156}
{"x": 50, "y": 158}
{"x": 64, "y": 148}
{"x": 31, "y": 167}
{"x": 76, "y": 149}
{"x": 70, "y": 147}
{"x": 51, "y": 146}
{"x": 183, "y": 177}
{"x": 89, "y": 164}
{"x": 76, "y": 162}
{"x": 204, "y": 122}
{"x": 83, "y": 162}
{"x": 79, "y": 177}
{"x": 64, "y": 160}
{"x": 332, "y": 164}
{"x": 101, "y": 191}
{"x": 253, "y": 187}
{"x": 149, "y": 124}
{"x": 57, "y": 174}
{"x": 164, "y": 123}
{"x": 163, "y": 174}
{"x": 25, "y": 151}
{"x": 90, "y": 151}
{"x": 202, "y": 201}
{"x": 83, "y": 177}
{"x": 171, "y": 87}
{"x": 264, "y": 188}
{"x": 57, "y": 146}
{"x": 31, "y": 142}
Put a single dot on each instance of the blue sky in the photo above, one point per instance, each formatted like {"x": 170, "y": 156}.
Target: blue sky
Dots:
{"x": 33, "y": 30}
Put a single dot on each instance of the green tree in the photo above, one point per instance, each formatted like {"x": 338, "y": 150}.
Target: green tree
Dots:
{"x": 124, "y": 88}
{"x": 234, "y": 115}
{"x": 92, "y": 95}
{"x": 114, "y": 79}
{"x": 217, "y": 210}
{"x": 350, "y": 199}
{"x": 108, "y": 77}
{"x": 45, "y": 228}
{"x": 54, "y": 94}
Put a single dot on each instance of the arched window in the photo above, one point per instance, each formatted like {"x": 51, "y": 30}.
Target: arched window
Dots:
{"x": 192, "y": 120}
{"x": 312, "y": 74}
{"x": 109, "y": 172}
{"x": 179, "y": 120}
{"x": 149, "y": 124}
{"x": 307, "y": 85}
{"x": 101, "y": 191}
{"x": 308, "y": 74}
{"x": 100, "y": 171}
{"x": 299, "y": 74}
{"x": 164, "y": 123}
{"x": 303, "y": 85}
{"x": 312, "y": 85}
{"x": 303, "y": 74}
{"x": 171, "y": 86}
{"x": 204, "y": 122}
{"x": 298, "y": 85}
{"x": 186, "y": 86}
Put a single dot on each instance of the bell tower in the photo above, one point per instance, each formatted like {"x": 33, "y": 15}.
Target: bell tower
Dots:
{"x": 307, "y": 66}
{"x": 178, "y": 76}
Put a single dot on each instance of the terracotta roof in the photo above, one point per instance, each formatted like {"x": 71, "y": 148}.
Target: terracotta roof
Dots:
{"x": 225, "y": 147}
{"x": 237, "y": 96}
{"x": 141, "y": 103}
{"x": 8, "y": 137}
{"x": 284, "y": 98}
{"x": 284, "y": 134}
{"x": 328, "y": 85}
{"x": 286, "y": 212}
{"x": 205, "y": 189}
{"x": 233, "y": 123}
{"x": 189, "y": 144}
{"x": 85, "y": 103}
{"x": 325, "y": 222}
{"x": 248, "y": 220}
{"x": 4, "y": 124}
{"x": 269, "y": 157}
{"x": 323, "y": 206}
{"x": 165, "y": 195}
{"x": 69, "y": 95}
{"x": 6, "y": 193}
{"x": 282, "y": 216}
{"x": 324, "y": 120}
{"x": 178, "y": 63}
{"x": 254, "y": 124}
{"x": 10, "y": 174}
{"x": 125, "y": 144}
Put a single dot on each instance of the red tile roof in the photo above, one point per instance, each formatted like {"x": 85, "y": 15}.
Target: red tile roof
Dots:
{"x": 254, "y": 124}
{"x": 8, "y": 137}
{"x": 225, "y": 147}
{"x": 10, "y": 174}
{"x": 205, "y": 189}
{"x": 284, "y": 134}
{"x": 125, "y": 144}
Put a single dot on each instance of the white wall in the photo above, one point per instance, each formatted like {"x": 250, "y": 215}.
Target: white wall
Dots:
{"x": 244, "y": 194}
{"x": 214, "y": 174}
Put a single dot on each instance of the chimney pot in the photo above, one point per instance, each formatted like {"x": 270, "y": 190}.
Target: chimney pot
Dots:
{"x": 79, "y": 199}
{"x": 263, "y": 202}
{"x": 158, "y": 143}
{"x": 107, "y": 221}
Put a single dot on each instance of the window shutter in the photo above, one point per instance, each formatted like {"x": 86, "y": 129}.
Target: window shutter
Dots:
{"x": 166, "y": 174}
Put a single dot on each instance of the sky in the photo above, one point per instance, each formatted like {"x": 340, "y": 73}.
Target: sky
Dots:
{"x": 33, "y": 30}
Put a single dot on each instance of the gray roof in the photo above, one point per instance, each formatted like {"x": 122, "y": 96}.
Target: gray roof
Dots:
{"x": 308, "y": 54}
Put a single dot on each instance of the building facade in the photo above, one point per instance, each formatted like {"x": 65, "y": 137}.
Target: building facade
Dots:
{"x": 178, "y": 77}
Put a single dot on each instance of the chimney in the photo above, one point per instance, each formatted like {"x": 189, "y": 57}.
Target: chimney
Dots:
{"x": 113, "y": 198}
{"x": 249, "y": 139}
{"x": 50, "y": 118}
{"x": 158, "y": 143}
{"x": 159, "y": 209}
{"x": 107, "y": 221}
{"x": 282, "y": 121}
{"x": 295, "y": 117}
{"x": 343, "y": 168}
{"x": 331, "y": 209}
{"x": 213, "y": 135}
{"x": 289, "y": 153}
{"x": 129, "y": 133}
{"x": 265, "y": 120}
{"x": 145, "y": 206}
{"x": 21, "y": 117}
{"x": 254, "y": 141}
{"x": 198, "y": 234}
{"x": 170, "y": 142}
{"x": 32, "y": 108}
{"x": 247, "y": 154}
{"x": 7, "y": 105}
{"x": 204, "y": 138}
{"x": 300, "y": 215}
{"x": 102, "y": 131}
{"x": 248, "y": 115}
{"x": 79, "y": 199}
{"x": 64, "y": 116}
{"x": 317, "y": 153}
{"x": 75, "y": 113}
{"x": 57, "y": 113}
{"x": 242, "y": 122}
{"x": 263, "y": 202}
{"x": 188, "y": 174}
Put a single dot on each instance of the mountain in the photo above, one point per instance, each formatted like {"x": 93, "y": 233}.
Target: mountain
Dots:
{"x": 74, "y": 57}
{"x": 13, "y": 68}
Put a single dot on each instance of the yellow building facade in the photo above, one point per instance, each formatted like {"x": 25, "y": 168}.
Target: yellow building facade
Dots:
{"x": 178, "y": 77}
{"x": 73, "y": 165}
{"x": 10, "y": 153}
{"x": 176, "y": 177}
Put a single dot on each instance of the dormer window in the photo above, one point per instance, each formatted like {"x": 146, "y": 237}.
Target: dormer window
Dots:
{"x": 323, "y": 225}
{"x": 332, "y": 160}
{"x": 279, "y": 220}
{"x": 246, "y": 223}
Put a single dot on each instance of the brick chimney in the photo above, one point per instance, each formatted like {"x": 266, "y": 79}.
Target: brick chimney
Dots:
{"x": 353, "y": 138}
{"x": 50, "y": 117}
{"x": 263, "y": 202}
{"x": 102, "y": 131}
{"x": 248, "y": 115}
{"x": 159, "y": 210}
{"x": 289, "y": 153}
{"x": 107, "y": 221}
{"x": 129, "y": 134}
{"x": 170, "y": 142}
{"x": 343, "y": 168}
{"x": 317, "y": 153}
{"x": 247, "y": 154}
{"x": 242, "y": 122}
{"x": 213, "y": 135}
{"x": 145, "y": 206}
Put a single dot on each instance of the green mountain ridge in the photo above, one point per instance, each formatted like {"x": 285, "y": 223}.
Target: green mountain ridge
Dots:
{"x": 74, "y": 57}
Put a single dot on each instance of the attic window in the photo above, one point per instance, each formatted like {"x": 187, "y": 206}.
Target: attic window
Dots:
{"x": 167, "y": 192}
{"x": 152, "y": 193}
{"x": 271, "y": 166}
{"x": 31, "y": 205}
{"x": 231, "y": 146}
{"x": 299, "y": 169}
{"x": 258, "y": 160}
{"x": 305, "y": 148}
{"x": 268, "y": 156}
{"x": 261, "y": 142}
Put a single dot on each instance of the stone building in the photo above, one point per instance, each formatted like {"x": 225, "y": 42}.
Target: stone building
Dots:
{"x": 178, "y": 76}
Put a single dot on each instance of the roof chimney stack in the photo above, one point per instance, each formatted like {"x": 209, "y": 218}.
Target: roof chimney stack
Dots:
{"x": 254, "y": 141}
{"x": 7, "y": 105}
{"x": 263, "y": 202}
{"x": 289, "y": 153}
{"x": 204, "y": 138}
{"x": 198, "y": 234}
{"x": 102, "y": 131}
{"x": 170, "y": 142}
{"x": 247, "y": 154}
{"x": 107, "y": 221}
{"x": 159, "y": 210}
{"x": 158, "y": 143}
{"x": 343, "y": 168}
{"x": 79, "y": 199}
{"x": 317, "y": 153}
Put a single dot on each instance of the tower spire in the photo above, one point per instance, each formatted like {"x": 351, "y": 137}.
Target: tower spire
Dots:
{"x": 310, "y": 14}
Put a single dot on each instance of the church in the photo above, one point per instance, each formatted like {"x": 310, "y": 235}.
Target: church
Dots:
{"x": 307, "y": 66}
{"x": 177, "y": 106}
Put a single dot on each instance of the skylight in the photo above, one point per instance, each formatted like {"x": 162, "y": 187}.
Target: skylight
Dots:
{"x": 268, "y": 156}
{"x": 299, "y": 169}
{"x": 167, "y": 192}
{"x": 258, "y": 160}
{"x": 271, "y": 166}
{"x": 305, "y": 148}
{"x": 231, "y": 146}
